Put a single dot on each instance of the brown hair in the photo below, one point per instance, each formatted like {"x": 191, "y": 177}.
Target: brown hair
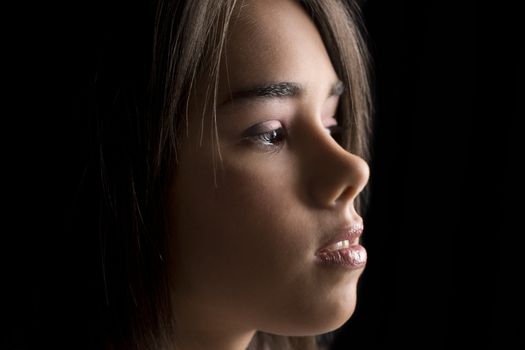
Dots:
{"x": 138, "y": 143}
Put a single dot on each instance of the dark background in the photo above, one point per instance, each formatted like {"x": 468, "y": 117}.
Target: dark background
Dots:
{"x": 445, "y": 222}
{"x": 446, "y": 217}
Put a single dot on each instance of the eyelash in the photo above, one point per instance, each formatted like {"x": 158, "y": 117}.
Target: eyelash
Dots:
{"x": 271, "y": 138}
{"x": 276, "y": 137}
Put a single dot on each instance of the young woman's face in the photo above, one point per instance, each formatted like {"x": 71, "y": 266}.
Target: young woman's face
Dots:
{"x": 244, "y": 248}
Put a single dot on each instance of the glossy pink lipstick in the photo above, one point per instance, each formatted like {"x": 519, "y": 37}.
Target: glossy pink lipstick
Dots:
{"x": 344, "y": 249}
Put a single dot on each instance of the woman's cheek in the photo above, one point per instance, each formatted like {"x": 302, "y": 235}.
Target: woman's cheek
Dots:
{"x": 260, "y": 203}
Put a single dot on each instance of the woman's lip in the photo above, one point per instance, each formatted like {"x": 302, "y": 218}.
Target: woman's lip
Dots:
{"x": 350, "y": 258}
{"x": 350, "y": 233}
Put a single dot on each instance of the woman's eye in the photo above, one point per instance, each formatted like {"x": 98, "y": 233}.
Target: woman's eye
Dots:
{"x": 276, "y": 137}
{"x": 270, "y": 138}
{"x": 268, "y": 135}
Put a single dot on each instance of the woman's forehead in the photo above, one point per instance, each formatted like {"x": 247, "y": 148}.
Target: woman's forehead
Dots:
{"x": 273, "y": 41}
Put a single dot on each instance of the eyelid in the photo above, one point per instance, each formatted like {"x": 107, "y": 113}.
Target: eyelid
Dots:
{"x": 262, "y": 128}
{"x": 329, "y": 111}
{"x": 330, "y": 121}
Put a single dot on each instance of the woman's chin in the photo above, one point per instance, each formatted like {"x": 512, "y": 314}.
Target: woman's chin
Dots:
{"x": 326, "y": 317}
{"x": 332, "y": 317}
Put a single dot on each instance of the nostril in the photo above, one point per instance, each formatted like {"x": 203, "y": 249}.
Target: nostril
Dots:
{"x": 335, "y": 176}
{"x": 354, "y": 175}
{"x": 346, "y": 195}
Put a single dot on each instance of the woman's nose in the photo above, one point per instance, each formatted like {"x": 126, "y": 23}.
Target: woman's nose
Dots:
{"x": 336, "y": 176}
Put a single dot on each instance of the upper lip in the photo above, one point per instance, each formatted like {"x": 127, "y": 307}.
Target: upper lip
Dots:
{"x": 350, "y": 232}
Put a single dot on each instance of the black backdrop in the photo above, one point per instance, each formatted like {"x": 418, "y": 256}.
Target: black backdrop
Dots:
{"x": 445, "y": 221}
{"x": 444, "y": 226}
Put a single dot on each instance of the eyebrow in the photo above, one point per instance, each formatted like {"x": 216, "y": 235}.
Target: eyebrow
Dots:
{"x": 278, "y": 91}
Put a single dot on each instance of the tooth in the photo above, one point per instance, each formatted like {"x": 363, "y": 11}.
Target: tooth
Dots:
{"x": 338, "y": 245}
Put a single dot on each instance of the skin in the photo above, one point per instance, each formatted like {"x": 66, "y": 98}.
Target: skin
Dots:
{"x": 243, "y": 248}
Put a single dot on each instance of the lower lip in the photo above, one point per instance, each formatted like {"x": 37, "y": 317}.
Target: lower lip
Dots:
{"x": 351, "y": 258}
